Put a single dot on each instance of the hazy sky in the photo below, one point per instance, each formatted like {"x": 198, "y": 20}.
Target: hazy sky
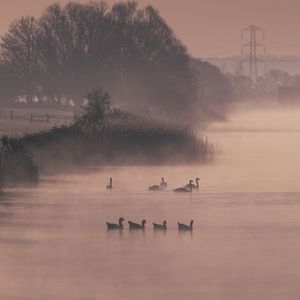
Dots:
{"x": 207, "y": 27}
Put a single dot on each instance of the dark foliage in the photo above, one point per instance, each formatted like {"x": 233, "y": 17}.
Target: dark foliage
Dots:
{"x": 130, "y": 52}
{"x": 16, "y": 163}
{"x": 113, "y": 137}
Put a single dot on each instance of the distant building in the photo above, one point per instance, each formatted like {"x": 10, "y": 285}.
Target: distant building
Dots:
{"x": 289, "y": 95}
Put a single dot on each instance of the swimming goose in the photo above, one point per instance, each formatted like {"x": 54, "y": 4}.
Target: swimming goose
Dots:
{"x": 184, "y": 189}
{"x": 183, "y": 227}
{"x": 111, "y": 226}
{"x": 160, "y": 226}
{"x": 194, "y": 187}
{"x": 109, "y": 187}
{"x": 133, "y": 225}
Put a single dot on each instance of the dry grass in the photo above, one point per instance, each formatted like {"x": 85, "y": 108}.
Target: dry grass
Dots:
{"x": 19, "y": 127}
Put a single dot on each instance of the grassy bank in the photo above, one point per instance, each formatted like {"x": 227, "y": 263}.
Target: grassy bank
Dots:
{"x": 106, "y": 136}
{"x": 17, "y": 164}
{"x": 21, "y": 125}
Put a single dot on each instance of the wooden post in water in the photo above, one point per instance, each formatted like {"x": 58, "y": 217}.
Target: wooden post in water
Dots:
{"x": 47, "y": 118}
{"x": 31, "y": 118}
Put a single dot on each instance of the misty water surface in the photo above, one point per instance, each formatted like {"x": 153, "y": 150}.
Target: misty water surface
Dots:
{"x": 245, "y": 244}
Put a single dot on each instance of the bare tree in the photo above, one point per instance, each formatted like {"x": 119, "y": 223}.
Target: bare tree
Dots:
{"x": 19, "y": 51}
{"x": 130, "y": 52}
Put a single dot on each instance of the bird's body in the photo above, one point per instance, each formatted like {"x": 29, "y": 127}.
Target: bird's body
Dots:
{"x": 112, "y": 226}
{"x": 181, "y": 190}
{"x": 194, "y": 186}
{"x": 185, "y": 189}
{"x": 160, "y": 226}
{"x": 154, "y": 188}
{"x": 133, "y": 225}
{"x": 183, "y": 227}
{"x": 159, "y": 187}
{"x": 109, "y": 187}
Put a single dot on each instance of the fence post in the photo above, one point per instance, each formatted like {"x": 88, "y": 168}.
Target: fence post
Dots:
{"x": 11, "y": 115}
{"x": 47, "y": 118}
{"x": 31, "y": 118}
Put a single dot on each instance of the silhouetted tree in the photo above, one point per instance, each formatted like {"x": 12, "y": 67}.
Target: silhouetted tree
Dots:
{"x": 130, "y": 52}
{"x": 19, "y": 52}
{"x": 10, "y": 86}
{"x": 97, "y": 107}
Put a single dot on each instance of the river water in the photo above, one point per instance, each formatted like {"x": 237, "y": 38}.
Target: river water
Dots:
{"x": 245, "y": 243}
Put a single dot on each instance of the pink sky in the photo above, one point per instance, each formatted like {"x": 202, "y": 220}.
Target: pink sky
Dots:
{"x": 207, "y": 27}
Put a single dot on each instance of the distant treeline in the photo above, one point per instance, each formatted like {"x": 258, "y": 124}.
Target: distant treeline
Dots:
{"x": 102, "y": 135}
{"x": 266, "y": 86}
{"x": 131, "y": 52}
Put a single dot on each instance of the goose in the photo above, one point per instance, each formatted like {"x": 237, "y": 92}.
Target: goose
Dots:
{"x": 109, "y": 187}
{"x": 194, "y": 187}
{"x": 183, "y": 227}
{"x": 136, "y": 225}
{"x": 111, "y": 226}
{"x": 184, "y": 189}
{"x": 160, "y": 226}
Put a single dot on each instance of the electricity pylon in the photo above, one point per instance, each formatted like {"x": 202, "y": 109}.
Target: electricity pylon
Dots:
{"x": 253, "y": 46}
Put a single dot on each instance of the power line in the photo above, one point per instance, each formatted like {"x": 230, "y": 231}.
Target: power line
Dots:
{"x": 225, "y": 47}
{"x": 283, "y": 44}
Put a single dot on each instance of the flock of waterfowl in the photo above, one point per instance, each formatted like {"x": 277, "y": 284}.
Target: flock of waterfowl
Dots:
{"x": 137, "y": 226}
{"x": 162, "y": 186}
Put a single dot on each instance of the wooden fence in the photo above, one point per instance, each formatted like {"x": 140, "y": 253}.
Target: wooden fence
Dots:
{"x": 30, "y": 117}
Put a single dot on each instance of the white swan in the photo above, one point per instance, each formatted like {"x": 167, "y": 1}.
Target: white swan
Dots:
{"x": 184, "y": 189}
{"x": 194, "y": 187}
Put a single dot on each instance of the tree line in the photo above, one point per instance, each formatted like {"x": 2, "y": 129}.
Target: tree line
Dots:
{"x": 128, "y": 51}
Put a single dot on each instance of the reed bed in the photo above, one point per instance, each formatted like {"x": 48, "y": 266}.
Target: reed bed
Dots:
{"x": 17, "y": 164}
{"x": 120, "y": 138}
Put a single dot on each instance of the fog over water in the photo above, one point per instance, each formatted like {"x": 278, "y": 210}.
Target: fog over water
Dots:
{"x": 246, "y": 239}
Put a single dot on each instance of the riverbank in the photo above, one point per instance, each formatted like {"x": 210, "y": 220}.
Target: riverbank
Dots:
{"x": 119, "y": 138}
